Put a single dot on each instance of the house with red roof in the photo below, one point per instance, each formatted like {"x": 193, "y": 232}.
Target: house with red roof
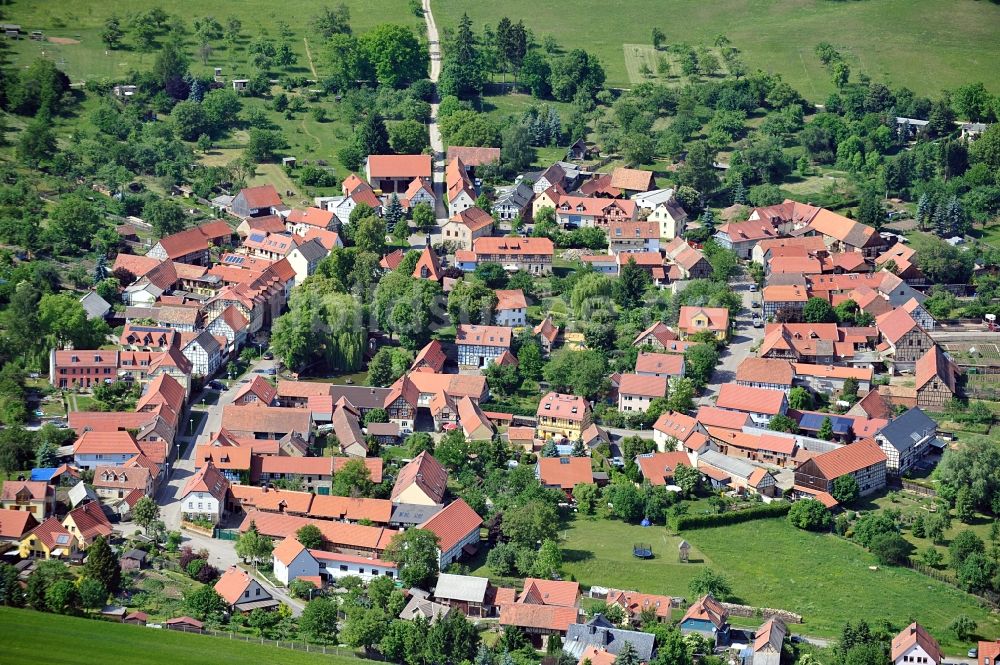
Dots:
{"x": 300, "y": 222}
{"x": 466, "y": 225}
{"x": 564, "y": 473}
{"x": 348, "y": 538}
{"x": 421, "y": 190}
{"x": 658, "y": 335}
{"x": 204, "y": 496}
{"x": 14, "y": 524}
{"x": 48, "y": 540}
{"x": 423, "y": 481}
{"x": 562, "y": 416}
{"x": 431, "y": 358}
{"x": 543, "y": 608}
{"x": 31, "y": 496}
{"x": 512, "y": 308}
{"x": 256, "y": 202}
{"x": 547, "y": 334}
{"x": 637, "y": 391}
{"x": 863, "y": 459}
{"x": 294, "y": 561}
{"x": 259, "y": 392}
{"x": 905, "y": 340}
{"x": 242, "y": 592}
{"x": 95, "y": 449}
{"x": 673, "y": 428}
{"x": 770, "y": 373}
{"x": 666, "y": 365}
{"x": 629, "y": 236}
{"x": 85, "y": 523}
{"x": 693, "y": 320}
{"x": 937, "y": 379}
{"x": 988, "y": 652}
{"x": 428, "y": 266}
{"x": 457, "y": 528}
{"x": 659, "y": 468}
{"x": 460, "y": 191}
{"x": 192, "y": 245}
{"x": 81, "y": 368}
{"x": 582, "y": 212}
{"x": 708, "y": 618}
{"x": 480, "y": 346}
{"x": 914, "y": 644}
{"x": 394, "y": 173}
{"x": 531, "y": 255}
{"x": 761, "y": 404}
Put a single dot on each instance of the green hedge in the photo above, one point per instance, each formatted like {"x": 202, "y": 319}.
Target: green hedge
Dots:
{"x": 763, "y": 511}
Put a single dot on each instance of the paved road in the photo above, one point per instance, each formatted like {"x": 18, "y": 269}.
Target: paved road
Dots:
{"x": 437, "y": 145}
{"x": 742, "y": 340}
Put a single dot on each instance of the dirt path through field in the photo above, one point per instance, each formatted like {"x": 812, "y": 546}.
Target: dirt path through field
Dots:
{"x": 309, "y": 57}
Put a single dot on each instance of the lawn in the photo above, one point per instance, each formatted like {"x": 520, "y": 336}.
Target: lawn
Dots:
{"x": 926, "y": 45}
{"x": 29, "y": 634}
{"x": 771, "y": 564}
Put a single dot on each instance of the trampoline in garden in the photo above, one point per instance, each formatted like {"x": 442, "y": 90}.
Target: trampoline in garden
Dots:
{"x": 642, "y": 551}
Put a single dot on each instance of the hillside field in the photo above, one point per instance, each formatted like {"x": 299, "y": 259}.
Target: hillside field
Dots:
{"x": 926, "y": 45}
{"x": 769, "y": 563}
{"x": 38, "y": 637}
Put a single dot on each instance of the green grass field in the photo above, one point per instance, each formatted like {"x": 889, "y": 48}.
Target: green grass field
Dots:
{"x": 927, "y": 45}
{"x": 772, "y": 564}
{"x": 35, "y": 637}
{"x": 82, "y": 22}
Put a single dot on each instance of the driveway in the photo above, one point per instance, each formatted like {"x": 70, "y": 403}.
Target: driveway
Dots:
{"x": 437, "y": 144}
{"x": 743, "y": 338}
{"x": 169, "y": 495}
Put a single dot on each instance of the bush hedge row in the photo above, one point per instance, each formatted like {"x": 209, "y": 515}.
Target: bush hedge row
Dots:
{"x": 763, "y": 511}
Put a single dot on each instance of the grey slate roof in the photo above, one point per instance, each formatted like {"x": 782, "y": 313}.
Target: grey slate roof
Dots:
{"x": 601, "y": 633}
{"x": 94, "y": 305}
{"x": 412, "y": 513}
{"x": 908, "y": 430}
{"x": 517, "y": 196}
{"x": 731, "y": 465}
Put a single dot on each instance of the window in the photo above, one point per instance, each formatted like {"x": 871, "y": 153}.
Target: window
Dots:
{"x": 343, "y": 567}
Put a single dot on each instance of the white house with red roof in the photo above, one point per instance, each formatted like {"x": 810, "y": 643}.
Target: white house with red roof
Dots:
{"x": 204, "y": 495}
{"x": 636, "y": 391}
{"x": 466, "y": 225}
{"x": 915, "y": 646}
{"x": 480, "y": 346}
{"x": 242, "y": 592}
{"x": 457, "y": 528}
{"x": 761, "y": 404}
{"x": 512, "y": 308}
{"x": 629, "y": 236}
{"x": 293, "y": 561}
{"x": 666, "y": 365}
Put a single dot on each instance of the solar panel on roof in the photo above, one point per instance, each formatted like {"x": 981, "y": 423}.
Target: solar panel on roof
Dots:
{"x": 257, "y": 237}
{"x": 149, "y": 329}
{"x": 814, "y": 421}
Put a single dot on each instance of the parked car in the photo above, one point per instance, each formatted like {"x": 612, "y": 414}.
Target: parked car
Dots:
{"x": 758, "y": 322}
{"x": 973, "y": 652}
{"x": 268, "y": 355}
{"x": 755, "y": 304}
{"x": 753, "y": 288}
{"x": 217, "y": 385}
{"x": 270, "y": 372}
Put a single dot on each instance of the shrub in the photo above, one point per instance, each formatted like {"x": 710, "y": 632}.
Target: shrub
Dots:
{"x": 762, "y": 511}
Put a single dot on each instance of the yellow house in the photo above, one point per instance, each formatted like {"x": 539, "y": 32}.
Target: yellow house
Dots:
{"x": 693, "y": 320}
{"x": 86, "y": 522}
{"x": 562, "y": 416}
{"x": 35, "y": 497}
{"x": 48, "y": 540}
{"x": 423, "y": 482}
{"x": 547, "y": 199}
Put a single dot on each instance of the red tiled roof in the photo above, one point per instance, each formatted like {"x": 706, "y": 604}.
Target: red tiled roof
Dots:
{"x": 427, "y": 473}
{"x": 661, "y": 331}
{"x": 92, "y": 442}
{"x": 765, "y": 442}
{"x": 287, "y": 550}
{"x": 374, "y": 465}
{"x": 52, "y": 534}
{"x": 312, "y": 217}
{"x": 915, "y": 634}
{"x": 352, "y": 509}
{"x": 893, "y": 325}
{"x": 671, "y": 364}
{"x": 137, "y": 265}
{"x": 38, "y": 490}
{"x": 452, "y": 524}
{"x": 707, "y": 608}
{"x": 565, "y": 472}
{"x": 657, "y": 467}
{"x": 207, "y": 479}
{"x": 263, "y": 196}
{"x": 632, "y": 179}
{"x": 765, "y": 370}
{"x": 399, "y": 166}
{"x": 510, "y": 299}
{"x": 933, "y": 364}
{"x": 643, "y": 386}
{"x": 833, "y": 371}
{"x": 677, "y": 425}
{"x": 549, "y": 592}
{"x": 392, "y": 259}
{"x": 337, "y": 534}
{"x": 848, "y": 459}
{"x": 513, "y": 246}
{"x": 232, "y": 584}
{"x": 90, "y": 521}
{"x": 223, "y": 457}
{"x": 431, "y": 356}
{"x": 473, "y": 156}
{"x": 718, "y": 318}
{"x": 474, "y": 218}
{"x": 496, "y": 336}
{"x": 596, "y": 656}
{"x": 559, "y": 405}
{"x": 260, "y": 387}
{"x": 14, "y": 523}
{"x": 540, "y": 617}
{"x": 716, "y": 417}
{"x": 750, "y": 400}
{"x": 429, "y": 263}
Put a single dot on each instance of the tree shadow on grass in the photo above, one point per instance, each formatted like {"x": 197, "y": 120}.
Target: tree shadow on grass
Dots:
{"x": 577, "y": 556}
